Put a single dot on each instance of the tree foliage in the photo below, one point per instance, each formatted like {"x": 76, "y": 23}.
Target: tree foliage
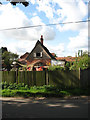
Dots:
{"x": 67, "y": 65}
{"x": 3, "y": 49}
{"x": 55, "y": 67}
{"x": 24, "y": 2}
{"x": 15, "y": 2}
{"x": 7, "y": 58}
{"x": 82, "y": 63}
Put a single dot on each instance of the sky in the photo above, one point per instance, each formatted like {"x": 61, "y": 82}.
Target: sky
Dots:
{"x": 62, "y": 39}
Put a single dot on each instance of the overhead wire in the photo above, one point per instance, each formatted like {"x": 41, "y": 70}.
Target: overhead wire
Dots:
{"x": 32, "y": 26}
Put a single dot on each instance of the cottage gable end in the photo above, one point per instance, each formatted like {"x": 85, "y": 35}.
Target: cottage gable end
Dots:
{"x": 39, "y": 52}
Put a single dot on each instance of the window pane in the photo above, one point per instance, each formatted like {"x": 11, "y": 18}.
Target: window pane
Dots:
{"x": 38, "y": 54}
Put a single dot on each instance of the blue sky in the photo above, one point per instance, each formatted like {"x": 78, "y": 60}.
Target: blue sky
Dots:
{"x": 64, "y": 40}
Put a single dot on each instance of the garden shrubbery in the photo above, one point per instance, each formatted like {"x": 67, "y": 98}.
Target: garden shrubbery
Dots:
{"x": 14, "y": 86}
{"x": 11, "y": 90}
{"x": 55, "y": 67}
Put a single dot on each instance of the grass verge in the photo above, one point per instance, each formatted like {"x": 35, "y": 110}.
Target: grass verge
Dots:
{"x": 22, "y": 90}
{"x": 44, "y": 93}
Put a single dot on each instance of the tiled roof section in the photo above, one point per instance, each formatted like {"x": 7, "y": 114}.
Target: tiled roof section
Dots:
{"x": 32, "y": 62}
{"x": 35, "y": 61}
{"x": 69, "y": 59}
{"x": 22, "y": 61}
{"x": 38, "y": 60}
{"x": 24, "y": 56}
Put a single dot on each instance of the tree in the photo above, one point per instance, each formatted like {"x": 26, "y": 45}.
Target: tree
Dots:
{"x": 82, "y": 62}
{"x": 78, "y": 53}
{"x": 24, "y": 2}
{"x": 7, "y": 58}
{"x": 81, "y": 53}
{"x": 69, "y": 56}
{"x": 14, "y": 2}
{"x": 3, "y": 49}
{"x": 55, "y": 67}
{"x": 67, "y": 65}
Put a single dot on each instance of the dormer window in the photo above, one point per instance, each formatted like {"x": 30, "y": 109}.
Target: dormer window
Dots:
{"x": 38, "y": 54}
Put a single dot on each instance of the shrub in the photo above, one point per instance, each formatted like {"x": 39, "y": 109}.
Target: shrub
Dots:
{"x": 55, "y": 67}
{"x": 67, "y": 66}
{"x": 14, "y": 86}
{"x": 4, "y": 85}
{"x": 46, "y": 91}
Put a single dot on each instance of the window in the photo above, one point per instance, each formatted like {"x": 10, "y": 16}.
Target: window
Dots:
{"x": 38, "y": 54}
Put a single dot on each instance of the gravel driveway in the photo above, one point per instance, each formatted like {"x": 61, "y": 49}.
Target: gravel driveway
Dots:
{"x": 73, "y": 107}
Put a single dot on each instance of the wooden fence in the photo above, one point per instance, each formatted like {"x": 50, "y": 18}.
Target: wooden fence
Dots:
{"x": 66, "y": 78}
{"x": 85, "y": 78}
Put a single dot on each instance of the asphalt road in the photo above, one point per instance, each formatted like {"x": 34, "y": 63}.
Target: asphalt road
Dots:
{"x": 74, "y": 107}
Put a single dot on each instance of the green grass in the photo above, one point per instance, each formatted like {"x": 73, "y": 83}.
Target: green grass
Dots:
{"x": 29, "y": 93}
{"x": 43, "y": 92}
{"x": 12, "y": 90}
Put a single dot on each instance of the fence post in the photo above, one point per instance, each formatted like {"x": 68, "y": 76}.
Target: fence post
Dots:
{"x": 47, "y": 83}
{"x": 79, "y": 77}
{"x": 79, "y": 73}
{"x": 17, "y": 76}
{"x": 33, "y": 78}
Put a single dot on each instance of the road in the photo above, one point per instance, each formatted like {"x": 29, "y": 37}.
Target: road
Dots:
{"x": 73, "y": 107}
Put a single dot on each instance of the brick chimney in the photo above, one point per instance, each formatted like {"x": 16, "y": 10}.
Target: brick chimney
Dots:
{"x": 41, "y": 39}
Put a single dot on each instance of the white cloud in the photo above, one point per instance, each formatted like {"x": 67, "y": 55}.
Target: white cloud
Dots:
{"x": 79, "y": 42}
{"x": 71, "y": 12}
{"x": 49, "y": 34}
{"x": 25, "y": 46}
{"x": 12, "y": 17}
{"x": 57, "y": 49}
{"x": 67, "y": 11}
{"x": 0, "y": 41}
{"x": 34, "y": 14}
{"x": 18, "y": 47}
{"x": 44, "y": 5}
{"x": 32, "y": 1}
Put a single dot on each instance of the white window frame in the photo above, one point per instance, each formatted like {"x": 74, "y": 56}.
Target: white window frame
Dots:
{"x": 41, "y": 54}
{"x": 34, "y": 54}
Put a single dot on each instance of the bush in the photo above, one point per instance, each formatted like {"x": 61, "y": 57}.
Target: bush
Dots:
{"x": 67, "y": 66}
{"x": 4, "y": 85}
{"x": 55, "y": 67}
{"x": 11, "y": 90}
{"x": 14, "y": 86}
